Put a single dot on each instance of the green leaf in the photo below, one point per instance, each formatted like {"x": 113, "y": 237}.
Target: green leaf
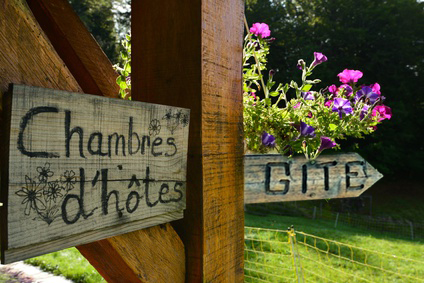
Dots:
{"x": 333, "y": 127}
{"x": 306, "y": 87}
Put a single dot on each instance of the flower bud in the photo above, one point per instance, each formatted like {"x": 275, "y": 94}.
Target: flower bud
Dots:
{"x": 301, "y": 64}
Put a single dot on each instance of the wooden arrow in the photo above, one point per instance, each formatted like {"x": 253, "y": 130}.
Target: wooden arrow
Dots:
{"x": 275, "y": 178}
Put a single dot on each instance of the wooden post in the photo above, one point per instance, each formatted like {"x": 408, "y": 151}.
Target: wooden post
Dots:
{"x": 188, "y": 54}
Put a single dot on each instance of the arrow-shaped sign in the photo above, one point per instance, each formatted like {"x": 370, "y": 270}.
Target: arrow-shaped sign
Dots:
{"x": 275, "y": 178}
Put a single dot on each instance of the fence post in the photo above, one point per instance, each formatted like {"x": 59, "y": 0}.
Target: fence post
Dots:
{"x": 296, "y": 257}
{"x": 412, "y": 228}
{"x": 337, "y": 219}
{"x": 314, "y": 214}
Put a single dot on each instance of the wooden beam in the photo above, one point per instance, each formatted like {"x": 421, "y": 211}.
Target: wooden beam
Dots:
{"x": 29, "y": 57}
{"x": 188, "y": 54}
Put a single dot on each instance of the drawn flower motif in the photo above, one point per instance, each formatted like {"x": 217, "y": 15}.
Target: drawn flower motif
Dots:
{"x": 154, "y": 127}
{"x": 32, "y": 196}
{"x": 53, "y": 191}
{"x": 184, "y": 120}
{"x": 44, "y": 172}
{"x": 178, "y": 114}
{"x": 168, "y": 115}
{"x": 68, "y": 179}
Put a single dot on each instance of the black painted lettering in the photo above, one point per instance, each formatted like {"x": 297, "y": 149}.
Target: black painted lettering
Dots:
{"x": 164, "y": 190}
{"x": 326, "y": 166}
{"x": 132, "y": 134}
{"x": 106, "y": 195}
{"x": 24, "y": 123}
{"x": 132, "y": 195}
{"x": 180, "y": 193}
{"x": 304, "y": 178}
{"x": 98, "y": 151}
{"x": 147, "y": 181}
{"x": 156, "y": 142}
{"x": 69, "y": 133}
{"x": 350, "y": 175}
{"x": 80, "y": 199}
{"x": 269, "y": 169}
{"x": 118, "y": 138}
{"x": 145, "y": 139}
{"x": 171, "y": 142}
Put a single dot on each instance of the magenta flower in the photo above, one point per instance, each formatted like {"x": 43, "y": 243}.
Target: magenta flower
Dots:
{"x": 268, "y": 139}
{"x": 328, "y": 103}
{"x": 375, "y": 88}
{"x": 319, "y": 58}
{"x": 332, "y": 89}
{"x": 326, "y": 143}
{"x": 306, "y": 130}
{"x": 260, "y": 30}
{"x": 383, "y": 112}
{"x": 342, "y": 105}
{"x": 367, "y": 94}
{"x": 350, "y": 76}
{"x": 297, "y": 105}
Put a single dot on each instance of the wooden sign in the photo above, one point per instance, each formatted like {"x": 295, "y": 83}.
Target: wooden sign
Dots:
{"x": 275, "y": 178}
{"x": 83, "y": 168}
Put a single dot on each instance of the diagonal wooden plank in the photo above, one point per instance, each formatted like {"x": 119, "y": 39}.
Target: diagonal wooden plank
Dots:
{"x": 194, "y": 61}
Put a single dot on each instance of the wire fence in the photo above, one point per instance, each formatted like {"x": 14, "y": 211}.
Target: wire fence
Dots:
{"x": 384, "y": 225}
{"x": 289, "y": 256}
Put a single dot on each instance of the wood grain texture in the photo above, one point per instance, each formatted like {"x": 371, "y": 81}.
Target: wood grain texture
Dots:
{"x": 76, "y": 46}
{"x": 28, "y": 57}
{"x": 275, "y": 178}
{"x": 81, "y": 163}
{"x": 194, "y": 61}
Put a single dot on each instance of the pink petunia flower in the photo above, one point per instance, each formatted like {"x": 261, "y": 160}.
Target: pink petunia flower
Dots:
{"x": 350, "y": 76}
{"x": 383, "y": 112}
{"x": 260, "y": 29}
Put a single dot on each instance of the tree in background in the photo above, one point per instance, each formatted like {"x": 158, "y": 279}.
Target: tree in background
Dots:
{"x": 99, "y": 18}
{"x": 383, "y": 39}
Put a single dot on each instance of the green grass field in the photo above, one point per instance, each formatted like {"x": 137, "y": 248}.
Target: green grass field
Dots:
{"x": 73, "y": 266}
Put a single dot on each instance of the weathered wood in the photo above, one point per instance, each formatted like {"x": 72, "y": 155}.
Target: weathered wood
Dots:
{"x": 115, "y": 247}
{"x": 194, "y": 61}
{"x": 81, "y": 163}
{"x": 275, "y": 178}
{"x": 28, "y": 57}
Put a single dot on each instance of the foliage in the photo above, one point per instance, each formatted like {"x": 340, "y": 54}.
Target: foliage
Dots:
{"x": 98, "y": 17}
{"x": 69, "y": 263}
{"x": 383, "y": 38}
{"x": 292, "y": 118}
{"x": 124, "y": 78}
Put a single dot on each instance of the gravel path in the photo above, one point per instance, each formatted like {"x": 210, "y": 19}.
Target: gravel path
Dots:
{"x": 20, "y": 272}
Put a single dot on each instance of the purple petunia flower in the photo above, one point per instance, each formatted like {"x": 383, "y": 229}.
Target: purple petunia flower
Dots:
{"x": 308, "y": 95}
{"x": 347, "y": 89}
{"x": 364, "y": 111}
{"x": 342, "y": 105}
{"x": 306, "y": 130}
{"x": 326, "y": 143}
{"x": 367, "y": 94}
{"x": 349, "y": 76}
{"x": 260, "y": 29}
{"x": 319, "y": 58}
{"x": 268, "y": 139}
